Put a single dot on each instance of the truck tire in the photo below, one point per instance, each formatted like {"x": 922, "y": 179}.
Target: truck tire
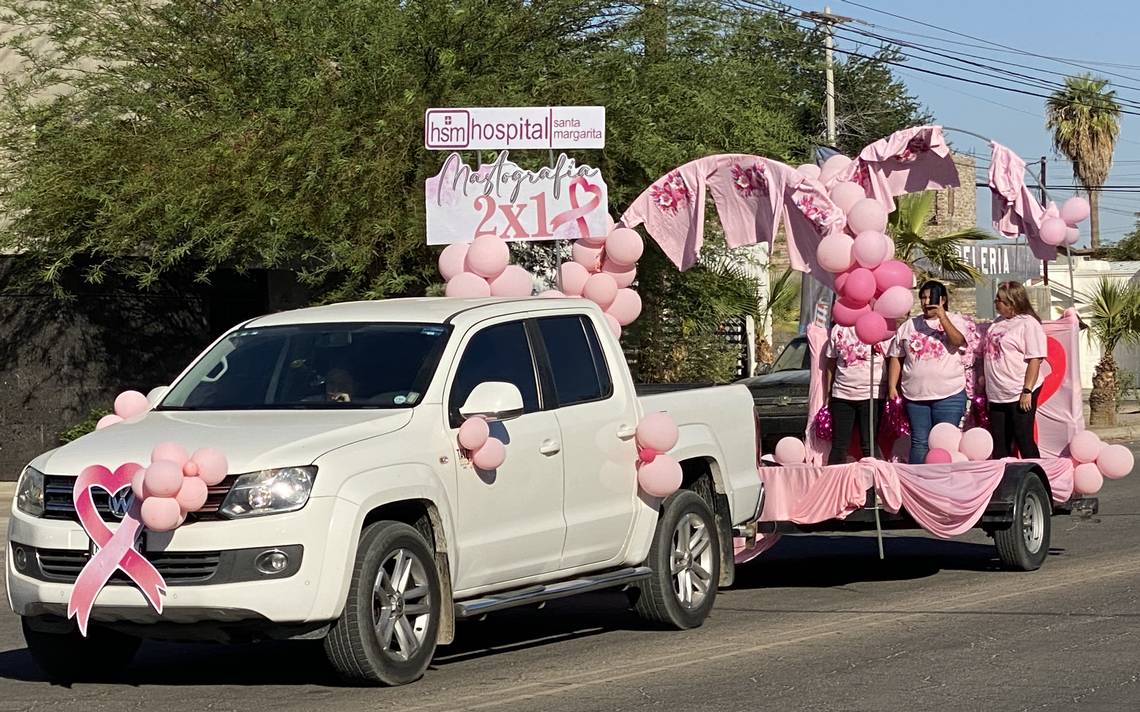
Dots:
{"x": 68, "y": 656}
{"x": 685, "y": 558}
{"x": 388, "y": 631}
{"x": 1024, "y": 544}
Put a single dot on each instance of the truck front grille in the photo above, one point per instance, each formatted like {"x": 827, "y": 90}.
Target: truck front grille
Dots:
{"x": 64, "y": 565}
{"x": 58, "y": 503}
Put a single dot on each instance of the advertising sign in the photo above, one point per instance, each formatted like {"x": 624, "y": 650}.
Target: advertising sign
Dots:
{"x": 542, "y": 127}
{"x": 563, "y": 202}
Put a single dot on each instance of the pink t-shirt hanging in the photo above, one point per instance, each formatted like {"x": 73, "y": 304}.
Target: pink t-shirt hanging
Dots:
{"x": 853, "y": 376}
{"x": 1009, "y": 345}
{"x": 930, "y": 369}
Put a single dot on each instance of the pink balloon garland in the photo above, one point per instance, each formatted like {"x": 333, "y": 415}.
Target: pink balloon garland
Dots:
{"x": 658, "y": 474}
{"x": 485, "y": 451}
{"x": 176, "y": 484}
{"x": 128, "y": 404}
{"x": 482, "y": 269}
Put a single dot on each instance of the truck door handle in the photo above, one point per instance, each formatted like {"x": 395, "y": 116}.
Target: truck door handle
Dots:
{"x": 625, "y": 432}
{"x": 550, "y": 447}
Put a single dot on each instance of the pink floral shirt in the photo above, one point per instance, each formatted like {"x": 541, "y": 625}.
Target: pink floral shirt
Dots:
{"x": 930, "y": 369}
{"x": 1009, "y": 345}
{"x": 853, "y": 375}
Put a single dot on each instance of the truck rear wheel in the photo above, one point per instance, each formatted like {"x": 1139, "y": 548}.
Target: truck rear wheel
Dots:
{"x": 685, "y": 558}
{"x": 387, "y": 633}
{"x": 68, "y": 656}
{"x": 1024, "y": 544}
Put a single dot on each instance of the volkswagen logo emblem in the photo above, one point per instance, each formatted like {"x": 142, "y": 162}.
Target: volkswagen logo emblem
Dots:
{"x": 120, "y": 502}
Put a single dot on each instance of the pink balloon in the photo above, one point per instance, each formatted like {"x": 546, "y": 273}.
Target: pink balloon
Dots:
{"x": 790, "y": 451}
{"x": 614, "y": 324}
{"x": 626, "y": 307}
{"x": 473, "y": 434}
{"x": 871, "y": 328}
{"x": 890, "y": 249}
{"x": 1115, "y": 461}
{"x": 977, "y": 444}
{"x": 938, "y": 456}
{"x": 106, "y": 420}
{"x": 847, "y": 313}
{"x": 660, "y": 478}
{"x": 1075, "y": 210}
{"x": 658, "y": 431}
{"x": 622, "y": 274}
{"x": 128, "y": 404}
{"x": 601, "y": 289}
{"x": 859, "y": 287}
{"x": 624, "y": 246}
{"x": 171, "y": 451}
{"x": 515, "y": 281}
{"x": 137, "y": 484}
{"x": 893, "y": 273}
{"x": 870, "y": 249}
{"x": 192, "y": 495}
{"x": 809, "y": 171}
{"x": 491, "y": 456}
{"x": 552, "y": 294}
{"x": 834, "y": 253}
{"x": 845, "y": 194}
{"x": 895, "y": 302}
{"x": 610, "y": 225}
{"x": 945, "y": 436}
{"x": 572, "y": 278}
{"x": 1085, "y": 446}
{"x": 841, "y": 282}
{"x": 452, "y": 260}
{"x": 163, "y": 479}
{"x": 212, "y": 465}
{"x": 586, "y": 255}
{"x": 161, "y": 514}
{"x": 1087, "y": 479}
{"x": 488, "y": 256}
{"x": 467, "y": 285}
{"x": 1053, "y": 231}
{"x": 958, "y": 457}
{"x": 867, "y": 215}
{"x": 833, "y": 167}
{"x": 1072, "y": 235}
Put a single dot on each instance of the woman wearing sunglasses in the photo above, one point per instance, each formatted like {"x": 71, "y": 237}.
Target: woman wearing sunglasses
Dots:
{"x": 1014, "y": 348}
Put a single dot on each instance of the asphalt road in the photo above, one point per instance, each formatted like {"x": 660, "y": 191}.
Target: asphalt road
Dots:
{"x": 818, "y": 623}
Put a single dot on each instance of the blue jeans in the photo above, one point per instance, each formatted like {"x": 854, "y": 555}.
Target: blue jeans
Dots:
{"x": 924, "y": 415}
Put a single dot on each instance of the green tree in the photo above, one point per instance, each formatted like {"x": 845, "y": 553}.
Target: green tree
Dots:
{"x": 1114, "y": 317}
{"x": 1084, "y": 117}
{"x": 1128, "y": 247}
{"x": 909, "y": 227}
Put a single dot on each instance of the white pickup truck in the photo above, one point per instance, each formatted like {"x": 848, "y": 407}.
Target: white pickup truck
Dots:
{"x": 352, "y": 515}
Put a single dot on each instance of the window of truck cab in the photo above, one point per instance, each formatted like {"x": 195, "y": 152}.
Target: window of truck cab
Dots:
{"x": 578, "y": 370}
{"x": 499, "y": 352}
{"x": 330, "y": 366}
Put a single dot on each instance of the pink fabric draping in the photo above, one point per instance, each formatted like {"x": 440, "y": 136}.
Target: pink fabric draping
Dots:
{"x": 908, "y": 161}
{"x": 1015, "y": 209}
{"x": 817, "y": 448}
{"x": 1060, "y": 412}
{"x": 742, "y": 553}
{"x": 945, "y": 500}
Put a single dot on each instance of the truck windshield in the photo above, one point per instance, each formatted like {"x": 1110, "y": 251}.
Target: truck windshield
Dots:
{"x": 314, "y": 366}
{"x": 794, "y": 357}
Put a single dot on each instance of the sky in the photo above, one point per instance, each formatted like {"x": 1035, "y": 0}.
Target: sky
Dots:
{"x": 1093, "y": 30}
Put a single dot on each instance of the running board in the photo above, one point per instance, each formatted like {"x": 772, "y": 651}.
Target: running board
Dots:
{"x": 548, "y": 592}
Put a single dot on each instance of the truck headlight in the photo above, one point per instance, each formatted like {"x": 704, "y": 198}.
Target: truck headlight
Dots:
{"x": 30, "y": 492}
{"x": 269, "y": 492}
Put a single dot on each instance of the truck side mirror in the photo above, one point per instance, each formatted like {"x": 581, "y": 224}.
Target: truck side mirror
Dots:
{"x": 493, "y": 400}
{"x": 156, "y": 395}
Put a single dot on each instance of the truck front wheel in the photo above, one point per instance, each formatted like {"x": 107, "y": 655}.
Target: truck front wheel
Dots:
{"x": 685, "y": 558}
{"x": 387, "y": 633}
{"x": 1024, "y": 544}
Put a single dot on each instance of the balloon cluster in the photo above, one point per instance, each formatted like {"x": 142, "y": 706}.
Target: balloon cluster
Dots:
{"x": 873, "y": 287}
{"x": 176, "y": 483}
{"x": 483, "y": 269}
{"x": 822, "y": 423}
{"x": 790, "y": 451}
{"x": 128, "y": 404}
{"x": 485, "y": 452}
{"x": 658, "y": 474}
{"x": 1095, "y": 461}
{"x": 602, "y": 270}
{"x": 949, "y": 444}
{"x": 1062, "y": 229}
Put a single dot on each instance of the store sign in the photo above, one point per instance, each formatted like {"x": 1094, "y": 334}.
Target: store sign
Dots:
{"x": 1001, "y": 259}
{"x": 563, "y": 202}
{"x": 515, "y": 128}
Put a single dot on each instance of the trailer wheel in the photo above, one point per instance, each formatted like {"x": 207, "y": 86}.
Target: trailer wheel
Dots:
{"x": 1024, "y": 544}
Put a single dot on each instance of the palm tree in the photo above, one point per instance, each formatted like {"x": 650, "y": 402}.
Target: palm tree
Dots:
{"x": 781, "y": 303}
{"x": 1113, "y": 318}
{"x": 908, "y": 227}
{"x": 1084, "y": 117}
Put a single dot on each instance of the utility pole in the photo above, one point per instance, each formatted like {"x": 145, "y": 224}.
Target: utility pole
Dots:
{"x": 1044, "y": 201}
{"x": 828, "y": 21}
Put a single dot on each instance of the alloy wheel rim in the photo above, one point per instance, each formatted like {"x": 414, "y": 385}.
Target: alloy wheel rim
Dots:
{"x": 691, "y": 563}
{"x": 401, "y": 605}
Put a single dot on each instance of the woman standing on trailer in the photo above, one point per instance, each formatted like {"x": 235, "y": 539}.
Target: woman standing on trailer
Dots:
{"x": 1015, "y": 345}
{"x": 848, "y": 383}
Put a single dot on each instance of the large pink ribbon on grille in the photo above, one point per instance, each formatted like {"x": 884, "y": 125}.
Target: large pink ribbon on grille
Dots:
{"x": 117, "y": 550}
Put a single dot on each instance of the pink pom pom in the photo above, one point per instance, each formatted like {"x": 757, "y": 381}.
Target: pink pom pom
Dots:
{"x": 128, "y": 404}
{"x": 822, "y": 423}
{"x": 161, "y": 514}
{"x": 163, "y": 479}
{"x": 660, "y": 478}
{"x": 452, "y": 261}
{"x": 658, "y": 431}
{"x": 192, "y": 496}
{"x": 212, "y": 465}
{"x": 473, "y": 434}
{"x": 108, "y": 420}
{"x": 491, "y": 456}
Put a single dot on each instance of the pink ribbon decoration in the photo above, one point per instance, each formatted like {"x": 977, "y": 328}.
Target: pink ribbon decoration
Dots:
{"x": 578, "y": 214}
{"x": 117, "y": 550}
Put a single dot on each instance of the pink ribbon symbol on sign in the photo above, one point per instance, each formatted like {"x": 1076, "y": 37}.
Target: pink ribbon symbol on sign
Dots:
{"x": 117, "y": 550}
{"x": 578, "y": 214}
